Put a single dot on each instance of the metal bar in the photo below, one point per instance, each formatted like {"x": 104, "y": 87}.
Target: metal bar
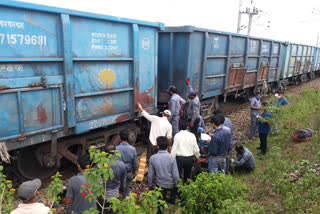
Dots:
{"x": 228, "y": 62}
{"x": 216, "y": 56}
{"x": 32, "y": 133}
{"x": 289, "y": 62}
{"x": 252, "y": 71}
{"x": 68, "y": 70}
{"x": 62, "y": 106}
{"x": 215, "y": 76}
{"x": 259, "y": 61}
{"x": 102, "y": 59}
{"x": 31, "y": 59}
{"x": 253, "y": 56}
{"x": 270, "y": 60}
{"x": 21, "y": 121}
{"x": 26, "y": 89}
{"x": 53, "y": 107}
{"x": 30, "y": 82}
{"x": 103, "y": 92}
{"x": 204, "y": 63}
{"x": 156, "y": 70}
{"x": 189, "y": 51}
{"x": 171, "y": 61}
{"x": 135, "y": 68}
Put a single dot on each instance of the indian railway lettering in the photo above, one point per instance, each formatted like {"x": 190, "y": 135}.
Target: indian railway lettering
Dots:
{"x": 10, "y": 24}
{"x": 98, "y": 123}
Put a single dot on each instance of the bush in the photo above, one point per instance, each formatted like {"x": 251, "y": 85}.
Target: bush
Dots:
{"x": 209, "y": 192}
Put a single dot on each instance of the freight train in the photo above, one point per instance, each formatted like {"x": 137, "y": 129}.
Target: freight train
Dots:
{"x": 71, "y": 79}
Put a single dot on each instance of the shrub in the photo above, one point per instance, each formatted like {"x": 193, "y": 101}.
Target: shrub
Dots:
{"x": 208, "y": 193}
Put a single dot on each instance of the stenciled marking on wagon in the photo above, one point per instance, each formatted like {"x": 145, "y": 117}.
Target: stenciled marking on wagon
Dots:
{"x": 104, "y": 41}
{"x": 11, "y": 68}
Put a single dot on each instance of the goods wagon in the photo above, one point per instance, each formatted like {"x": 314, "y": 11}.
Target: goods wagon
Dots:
{"x": 217, "y": 63}
{"x": 300, "y": 62}
{"x": 64, "y": 73}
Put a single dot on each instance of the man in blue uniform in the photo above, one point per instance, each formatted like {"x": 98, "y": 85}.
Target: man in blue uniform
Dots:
{"x": 174, "y": 106}
{"x": 264, "y": 129}
{"x": 163, "y": 167}
{"x": 129, "y": 158}
{"x": 226, "y": 124}
{"x": 245, "y": 161}
{"x": 255, "y": 106}
{"x": 219, "y": 146}
{"x": 282, "y": 101}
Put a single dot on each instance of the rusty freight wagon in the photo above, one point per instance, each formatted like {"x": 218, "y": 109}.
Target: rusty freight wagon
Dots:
{"x": 70, "y": 79}
{"x": 228, "y": 64}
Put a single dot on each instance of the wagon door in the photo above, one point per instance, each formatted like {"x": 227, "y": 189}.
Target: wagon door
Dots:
{"x": 30, "y": 76}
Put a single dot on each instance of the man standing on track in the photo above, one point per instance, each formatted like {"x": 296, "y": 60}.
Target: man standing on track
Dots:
{"x": 129, "y": 158}
{"x": 160, "y": 126}
{"x": 255, "y": 106}
{"x": 185, "y": 149}
{"x": 174, "y": 107}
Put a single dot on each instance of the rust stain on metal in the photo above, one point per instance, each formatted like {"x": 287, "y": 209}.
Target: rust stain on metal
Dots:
{"x": 122, "y": 118}
{"x": 144, "y": 97}
{"x": 298, "y": 67}
{"x": 37, "y": 25}
{"x": 106, "y": 108}
{"x": 236, "y": 76}
{"x": 4, "y": 87}
{"x": 42, "y": 114}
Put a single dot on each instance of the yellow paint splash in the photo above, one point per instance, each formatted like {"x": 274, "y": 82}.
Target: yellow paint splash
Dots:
{"x": 107, "y": 77}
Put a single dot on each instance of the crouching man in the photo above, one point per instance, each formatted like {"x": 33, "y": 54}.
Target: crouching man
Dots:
{"x": 245, "y": 161}
{"x": 164, "y": 167}
{"x": 27, "y": 192}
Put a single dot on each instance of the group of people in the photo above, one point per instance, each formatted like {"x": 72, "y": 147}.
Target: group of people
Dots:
{"x": 262, "y": 121}
{"x": 174, "y": 145}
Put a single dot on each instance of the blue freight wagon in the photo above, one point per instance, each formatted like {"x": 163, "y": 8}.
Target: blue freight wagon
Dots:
{"x": 300, "y": 62}
{"x": 64, "y": 73}
{"x": 217, "y": 63}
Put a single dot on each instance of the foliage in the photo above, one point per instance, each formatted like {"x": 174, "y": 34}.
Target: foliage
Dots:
{"x": 287, "y": 180}
{"x": 209, "y": 192}
{"x": 149, "y": 203}
{"x": 54, "y": 189}
{"x": 6, "y": 193}
{"x": 240, "y": 206}
{"x": 97, "y": 178}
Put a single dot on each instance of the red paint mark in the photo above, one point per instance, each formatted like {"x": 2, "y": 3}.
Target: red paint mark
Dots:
{"x": 42, "y": 114}
{"x": 122, "y": 118}
{"x": 144, "y": 97}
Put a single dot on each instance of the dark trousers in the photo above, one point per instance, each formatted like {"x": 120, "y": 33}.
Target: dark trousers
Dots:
{"x": 151, "y": 150}
{"x": 171, "y": 199}
{"x": 185, "y": 164}
{"x": 243, "y": 169}
{"x": 263, "y": 142}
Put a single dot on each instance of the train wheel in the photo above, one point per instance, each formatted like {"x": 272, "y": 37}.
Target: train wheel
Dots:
{"x": 29, "y": 167}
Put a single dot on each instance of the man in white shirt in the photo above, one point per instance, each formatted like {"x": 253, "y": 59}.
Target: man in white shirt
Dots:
{"x": 185, "y": 149}
{"x": 160, "y": 126}
{"x": 27, "y": 192}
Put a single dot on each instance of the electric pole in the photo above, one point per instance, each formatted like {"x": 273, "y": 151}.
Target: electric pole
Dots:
{"x": 317, "y": 40}
{"x": 252, "y": 13}
{"x": 239, "y": 16}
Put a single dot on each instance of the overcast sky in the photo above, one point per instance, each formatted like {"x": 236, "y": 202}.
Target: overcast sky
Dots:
{"x": 290, "y": 20}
